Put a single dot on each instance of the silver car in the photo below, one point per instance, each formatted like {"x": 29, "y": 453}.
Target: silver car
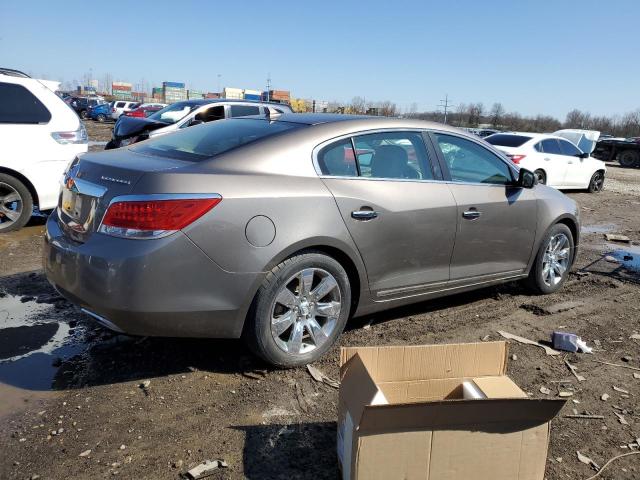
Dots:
{"x": 279, "y": 229}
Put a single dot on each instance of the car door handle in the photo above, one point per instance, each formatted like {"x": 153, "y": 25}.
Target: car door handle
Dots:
{"x": 471, "y": 214}
{"x": 364, "y": 214}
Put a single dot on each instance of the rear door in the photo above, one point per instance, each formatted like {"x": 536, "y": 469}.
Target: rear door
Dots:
{"x": 554, "y": 162}
{"x": 496, "y": 222}
{"x": 401, "y": 217}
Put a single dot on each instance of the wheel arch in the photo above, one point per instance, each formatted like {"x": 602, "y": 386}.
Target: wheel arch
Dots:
{"x": 25, "y": 181}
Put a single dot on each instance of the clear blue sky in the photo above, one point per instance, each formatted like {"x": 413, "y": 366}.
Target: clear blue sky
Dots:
{"x": 534, "y": 57}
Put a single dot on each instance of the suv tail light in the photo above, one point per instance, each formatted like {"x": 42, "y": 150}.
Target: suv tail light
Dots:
{"x": 66, "y": 138}
{"x": 154, "y": 217}
{"x": 516, "y": 158}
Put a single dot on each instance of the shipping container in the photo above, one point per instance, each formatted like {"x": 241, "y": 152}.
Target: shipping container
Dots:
{"x": 213, "y": 95}
{"x": 173, "y": 84}
{"x": 249, "y": 96}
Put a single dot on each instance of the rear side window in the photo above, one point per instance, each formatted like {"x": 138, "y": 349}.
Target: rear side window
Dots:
{"x": 120, "y": 104}
{"x": 393, "y": 155}
{"x": 506, "y": 140}
{"x": 472, "y": 163}
{"x": 210, "y": 139}
{"x": 244, "y": 110}
{"x": 338, "y": 159}
{"x": 569, "y": 148}
{"x": 19, "y": 105}
{"x": 550, "y": 145}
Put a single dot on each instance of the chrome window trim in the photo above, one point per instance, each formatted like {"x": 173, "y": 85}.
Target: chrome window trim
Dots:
{"x": 320, "y": 146}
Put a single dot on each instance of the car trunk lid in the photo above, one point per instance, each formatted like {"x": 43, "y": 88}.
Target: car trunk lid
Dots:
{"x": 585, "y": 140}
{"x": 95, "y": 180}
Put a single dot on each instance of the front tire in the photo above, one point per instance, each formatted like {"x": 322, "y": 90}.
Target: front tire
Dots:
{"x": 553, "y": 261}
{"x": 101, "y": 118}
{"x": 83, "y": 114}
{"x": 16, "y": 204}
{"x": 541, "y": 176}
{"x": 299, "y": 311}
{"x": 596, "y": 184}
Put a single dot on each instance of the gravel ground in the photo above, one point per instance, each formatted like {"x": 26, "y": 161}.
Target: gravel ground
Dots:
{"x": 208, "y": 399}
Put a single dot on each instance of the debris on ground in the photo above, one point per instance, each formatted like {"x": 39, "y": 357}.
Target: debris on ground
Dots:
{"x": 621, "y": 418}
{"x": 585, "y": 416}
{"x": 86, "y": 453}
{"x": 319, "y": 376}
{"x": 620, "y": 390}
{"x": 604, "y": 397}
{"x": 587, "y": 461}
{"x": 569, "y": 342}
{"x": 545, "y": 390}
{"x": 574, "y": 371}
{"x": 526, "y": 341}
{"x": 609, "y": 462}
{"x": 205, "y": 469}
{"x": 617, "y": 365}
{"x": 611, "y": 259}
{"x": 614, "y": 237}
{"x": 565, "y": 394}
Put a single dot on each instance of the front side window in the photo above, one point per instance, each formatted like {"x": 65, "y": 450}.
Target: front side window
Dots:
{"x": 550, "y": 145}
{"x": 338, "y": 159}
{"x": 244, "y": 110}
{"x": 393, "y": 155}
{"x": 19, "y": 105}
{"x": 211, "y": 114}
{"x": 470, "y": 162}
{"x": 569, "y": 148}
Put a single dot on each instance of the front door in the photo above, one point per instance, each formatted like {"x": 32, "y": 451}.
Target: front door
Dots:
{"x": 402, "y": 220}
{"x": 555, "y": 163}
{"x": 496, "y": 221}
{"x": 576, "y": 174}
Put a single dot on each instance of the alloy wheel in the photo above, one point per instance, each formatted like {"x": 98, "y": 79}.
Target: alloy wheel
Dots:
{"x": 541, "y": 178}
{"x": 305, "y": 311}
{"x": 597, "y": 182}
{"x": 556, "y": 259}
{"x": 10, "y": 205}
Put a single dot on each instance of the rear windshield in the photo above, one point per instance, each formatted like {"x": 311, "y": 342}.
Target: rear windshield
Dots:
{"x": 506, "y": 140}
{"x": 200, "y": 142}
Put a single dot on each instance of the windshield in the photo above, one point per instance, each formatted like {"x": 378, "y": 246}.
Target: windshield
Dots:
{"x": 505, "y": 140}
{"x": 200, "y": 142}
{"x": 173, "y": 113}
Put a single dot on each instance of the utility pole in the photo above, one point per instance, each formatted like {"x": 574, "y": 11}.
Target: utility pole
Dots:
{"x": 445, "y": 104}
{"x": 268, "y": 86}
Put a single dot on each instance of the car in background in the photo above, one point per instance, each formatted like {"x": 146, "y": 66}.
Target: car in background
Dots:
{"x": 120, "y": 107}
{"x": 179, "y": 115}
{"x": 272, "y": 229}
{"x": 555, "y": 160}
{"x": 145, "y": 110}
{"x": 100, "y": 113}
{"x": 81, "y": 105}
{"x": 39, "y": 136}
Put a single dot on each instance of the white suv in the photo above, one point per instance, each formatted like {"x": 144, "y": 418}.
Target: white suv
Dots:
{"x": 120, "y": 107}
{"x": 39, "y": 136}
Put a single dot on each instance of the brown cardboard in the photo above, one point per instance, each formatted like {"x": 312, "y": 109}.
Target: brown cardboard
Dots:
{"x": 402, "y": 415}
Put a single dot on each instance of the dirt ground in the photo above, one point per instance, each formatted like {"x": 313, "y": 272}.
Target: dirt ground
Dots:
{"x": 68, "y": 387}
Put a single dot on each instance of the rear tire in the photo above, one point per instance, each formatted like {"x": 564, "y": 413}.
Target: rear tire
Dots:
{"x": 541, "y": 176}
{"x": 629, "y": 158}
{"x": 553, "y": 261}
{"x": 299, "y": 311}
{"x": 16, "y": 204}
{"x": 596, "y": 184}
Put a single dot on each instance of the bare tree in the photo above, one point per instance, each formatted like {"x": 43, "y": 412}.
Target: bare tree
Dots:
{"x": 496, "y": 113}
{"x": 388, "y": 109}
{"x": 358, "y": 105}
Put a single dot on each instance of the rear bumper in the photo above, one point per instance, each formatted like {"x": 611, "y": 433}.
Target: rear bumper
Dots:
{"x": 162, "y": 287}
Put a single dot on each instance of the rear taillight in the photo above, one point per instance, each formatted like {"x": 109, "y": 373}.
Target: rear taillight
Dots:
{"x": 113, "y": 110}
{"x": 66, "y": 138}
{"x": 516, "y": 158}
{"x": 154, "y": 218}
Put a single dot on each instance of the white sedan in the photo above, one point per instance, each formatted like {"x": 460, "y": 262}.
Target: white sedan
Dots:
{"x": 554, "y": 159}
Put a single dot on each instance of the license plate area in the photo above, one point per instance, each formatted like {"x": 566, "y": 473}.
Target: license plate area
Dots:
{"x": 77, "y": 213}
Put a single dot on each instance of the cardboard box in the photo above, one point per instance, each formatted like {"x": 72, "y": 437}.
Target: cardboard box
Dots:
{"x": 403, "y": 415}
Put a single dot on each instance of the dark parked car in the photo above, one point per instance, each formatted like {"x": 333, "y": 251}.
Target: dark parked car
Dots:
{"x": 81, "y": 105}
{"x": 281, "y": 228}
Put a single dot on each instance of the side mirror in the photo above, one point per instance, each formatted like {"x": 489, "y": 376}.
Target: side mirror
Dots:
{"x": 526, "y": 179}
{"x": 583, "y": 155}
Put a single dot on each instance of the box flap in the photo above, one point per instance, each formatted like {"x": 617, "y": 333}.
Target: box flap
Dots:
{"x": 422, "y": 362}
{"x": 357, "y": 388}
{"x": 499, "y": 387}
{"x": 489, "y": 414}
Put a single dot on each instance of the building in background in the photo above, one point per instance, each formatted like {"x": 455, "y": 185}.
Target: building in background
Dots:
{"x": 195, "y": 94}
{"x": 252, "y": 94}
{"x": 278, "y": 96}
{"x": 233, "y": 93}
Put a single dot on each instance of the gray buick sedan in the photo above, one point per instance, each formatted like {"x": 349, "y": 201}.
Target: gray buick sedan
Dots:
{"x": 279, "y": 229}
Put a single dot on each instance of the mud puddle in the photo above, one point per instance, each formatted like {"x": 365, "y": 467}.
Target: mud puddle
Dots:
{"x": 34, "y": 340}
{"x": 627, "y": 255}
